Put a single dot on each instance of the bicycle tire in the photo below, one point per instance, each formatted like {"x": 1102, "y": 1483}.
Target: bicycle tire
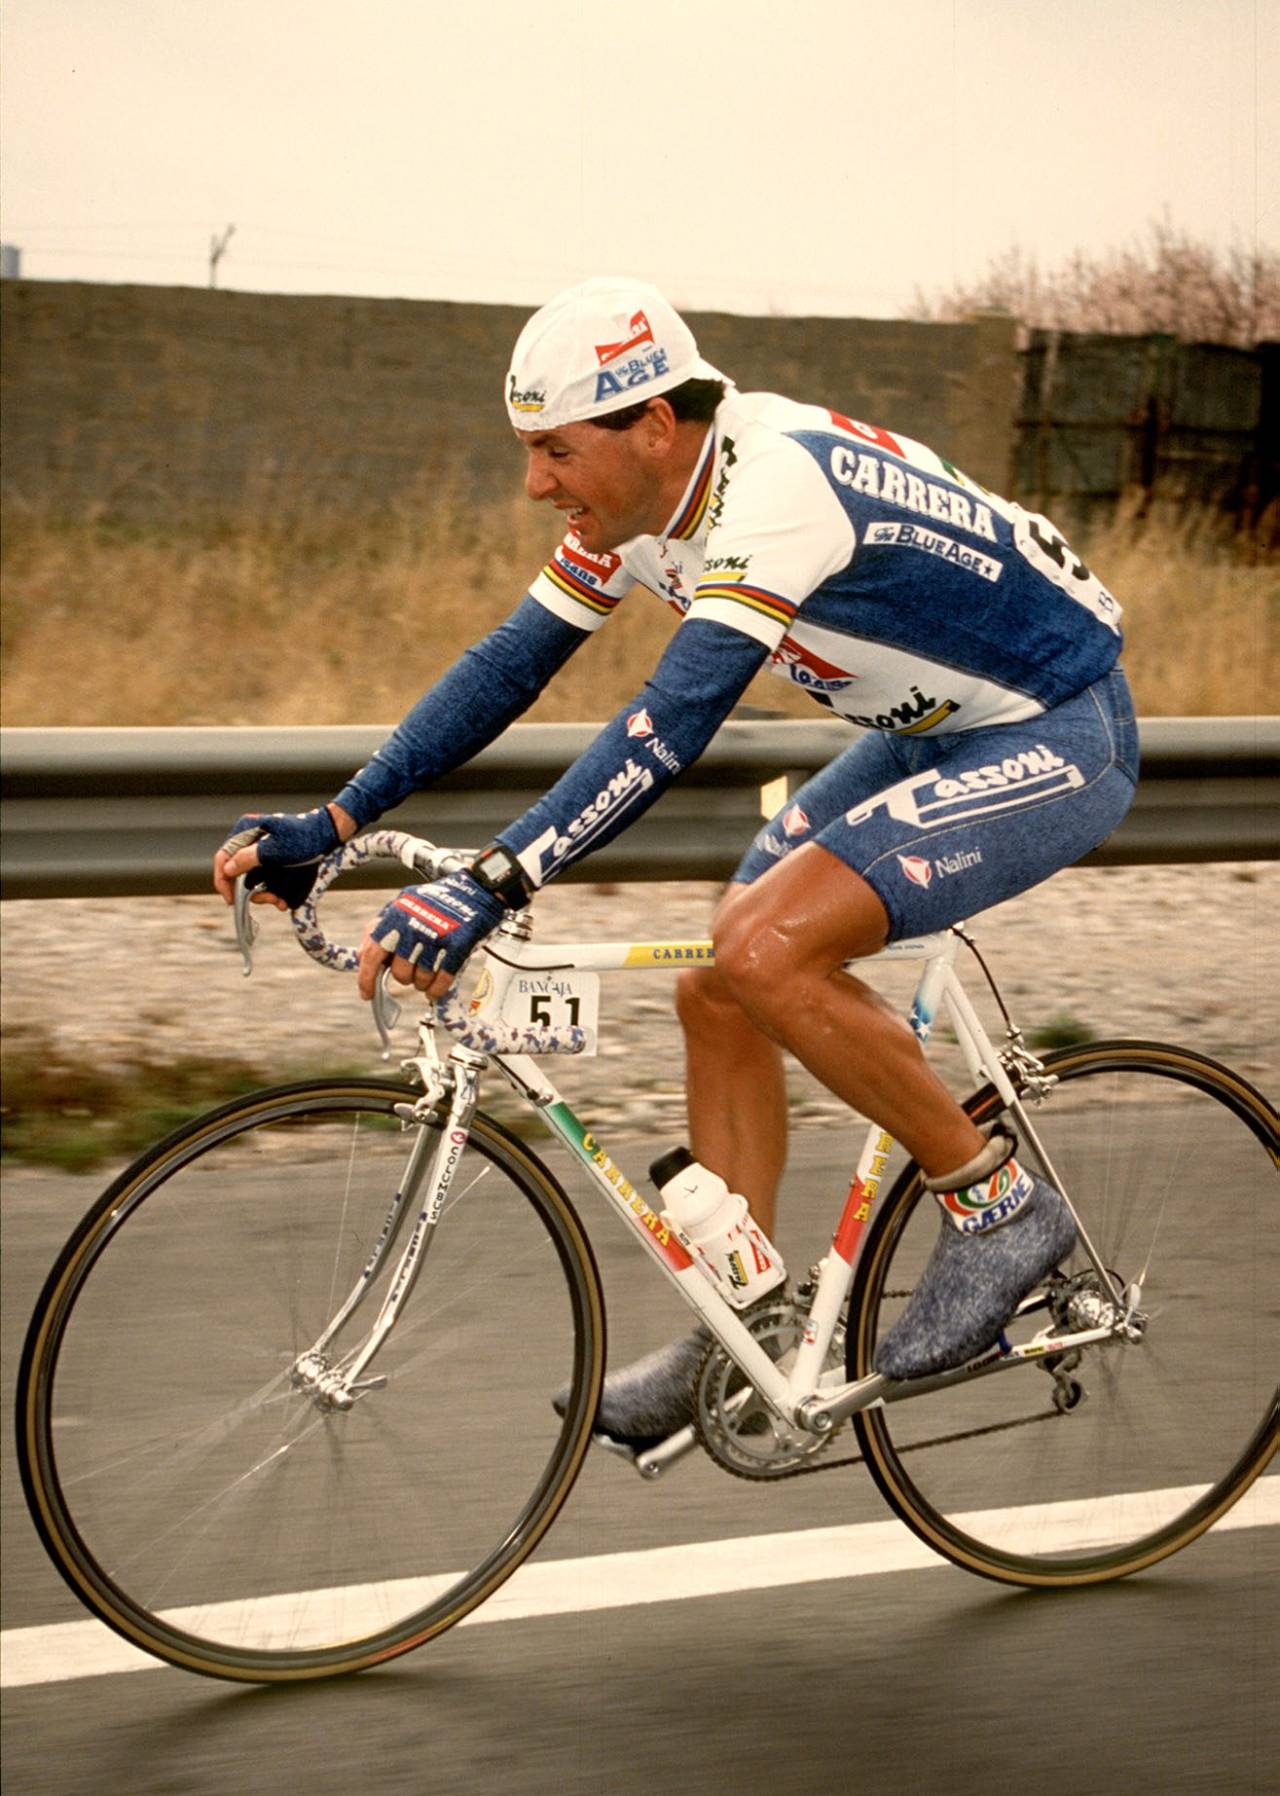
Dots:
{"x": 209, "y": 1511}
{"x": 1172, "y": 1431}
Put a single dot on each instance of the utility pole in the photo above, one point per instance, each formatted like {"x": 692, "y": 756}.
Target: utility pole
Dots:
{"x": 218, "y": 249}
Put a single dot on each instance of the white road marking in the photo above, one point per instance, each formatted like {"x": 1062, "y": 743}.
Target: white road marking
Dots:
{"x": 81, "y": 1649}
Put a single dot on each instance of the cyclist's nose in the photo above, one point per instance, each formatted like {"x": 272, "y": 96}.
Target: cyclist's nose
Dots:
{"x": 539, "y": 479}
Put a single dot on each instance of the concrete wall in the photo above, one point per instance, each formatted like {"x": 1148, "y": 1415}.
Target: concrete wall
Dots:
{"x": 156, "y": 402}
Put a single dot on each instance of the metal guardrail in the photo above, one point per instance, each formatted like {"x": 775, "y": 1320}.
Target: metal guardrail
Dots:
{"x": 101, "y": 813}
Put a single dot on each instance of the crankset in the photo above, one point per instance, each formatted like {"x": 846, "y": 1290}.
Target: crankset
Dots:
{"x": 742, "y": 1432}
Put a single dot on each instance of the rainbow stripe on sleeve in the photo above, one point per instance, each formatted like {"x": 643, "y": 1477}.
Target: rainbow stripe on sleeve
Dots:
{"x": 755, "y": 598}
{"x": 563, "y": 577}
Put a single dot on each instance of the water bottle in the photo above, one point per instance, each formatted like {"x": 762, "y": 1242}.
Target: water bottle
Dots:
{"x": 716, "y": 1226}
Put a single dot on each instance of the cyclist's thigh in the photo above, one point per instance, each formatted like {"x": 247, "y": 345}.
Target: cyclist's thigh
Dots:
{"x": 988, "y": 813}
{"x": 866, "y": 767}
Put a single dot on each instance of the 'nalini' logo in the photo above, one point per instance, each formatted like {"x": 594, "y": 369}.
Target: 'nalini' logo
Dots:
{"x": 916, "y": 868}
{"x": 639, "y": 724}
{"x": 640, "y": 333}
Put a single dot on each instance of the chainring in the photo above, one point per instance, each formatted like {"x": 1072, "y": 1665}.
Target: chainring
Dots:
{"x": 735, "y": 1425}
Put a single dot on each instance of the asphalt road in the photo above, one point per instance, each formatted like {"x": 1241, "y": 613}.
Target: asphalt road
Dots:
{"x": 902, "y": 1681}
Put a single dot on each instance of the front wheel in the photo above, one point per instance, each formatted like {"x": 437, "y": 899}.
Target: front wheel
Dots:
{"x": 1061, "y": 1474}
{"x": 211, "y": 1510}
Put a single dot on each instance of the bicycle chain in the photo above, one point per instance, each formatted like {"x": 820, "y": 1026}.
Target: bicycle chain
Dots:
{"x": 939, "y": 1440}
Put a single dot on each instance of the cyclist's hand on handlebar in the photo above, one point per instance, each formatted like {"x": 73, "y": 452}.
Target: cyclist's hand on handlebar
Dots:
{"x": 428, "y": 933}
{"x": 279, "y": 851}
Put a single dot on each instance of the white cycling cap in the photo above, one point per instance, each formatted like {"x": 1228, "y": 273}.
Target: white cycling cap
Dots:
{"x": 596, "y": 347}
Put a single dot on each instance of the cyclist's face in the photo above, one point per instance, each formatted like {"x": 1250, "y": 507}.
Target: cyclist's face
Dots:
{"x": 609, "y": 483}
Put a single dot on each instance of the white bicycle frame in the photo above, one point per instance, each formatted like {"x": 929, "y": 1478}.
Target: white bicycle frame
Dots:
{"x": 807, "y": 1397}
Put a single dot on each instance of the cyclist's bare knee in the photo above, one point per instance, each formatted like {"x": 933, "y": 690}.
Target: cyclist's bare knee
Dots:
{"x": 703, "y": 1000}
{"x": 801, "y": 921}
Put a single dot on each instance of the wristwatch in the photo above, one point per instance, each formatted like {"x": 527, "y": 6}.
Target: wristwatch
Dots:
{"x": 499, "y": 872}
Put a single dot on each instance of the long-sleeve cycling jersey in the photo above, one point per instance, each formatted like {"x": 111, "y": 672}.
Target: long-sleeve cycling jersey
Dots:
{"x": 859, "y": 564}
{"x": 892, "y": 588}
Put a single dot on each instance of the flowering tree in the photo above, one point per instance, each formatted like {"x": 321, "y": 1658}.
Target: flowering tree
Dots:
{"x": 1167, "y": 282}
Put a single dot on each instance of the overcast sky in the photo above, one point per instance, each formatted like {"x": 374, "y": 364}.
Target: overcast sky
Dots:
{"x": 749, "y": 155}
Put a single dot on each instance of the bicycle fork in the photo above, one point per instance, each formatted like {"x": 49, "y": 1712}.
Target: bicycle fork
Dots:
{"x": 337, "y": 1386}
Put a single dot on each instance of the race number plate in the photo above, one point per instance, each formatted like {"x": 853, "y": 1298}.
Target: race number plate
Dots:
{"x": 555, "y": 1001}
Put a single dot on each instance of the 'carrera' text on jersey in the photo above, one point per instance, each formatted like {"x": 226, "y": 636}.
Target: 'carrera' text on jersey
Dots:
{"x": 881, "y": 479}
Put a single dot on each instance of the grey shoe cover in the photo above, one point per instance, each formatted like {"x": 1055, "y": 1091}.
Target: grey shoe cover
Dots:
{"x": 971, "y": 1286}
{"x": 645, "y": 1402}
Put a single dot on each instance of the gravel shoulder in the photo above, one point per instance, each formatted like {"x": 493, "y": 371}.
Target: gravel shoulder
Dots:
{"x": 1184, "y": 953}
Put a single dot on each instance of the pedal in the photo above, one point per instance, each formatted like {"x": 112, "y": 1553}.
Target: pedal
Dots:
{"x": 650, "y": 1462}
{"x": 656, "y": 1460}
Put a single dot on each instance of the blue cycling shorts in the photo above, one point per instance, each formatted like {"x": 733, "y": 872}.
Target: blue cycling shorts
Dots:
{"x": 944, "y": 826}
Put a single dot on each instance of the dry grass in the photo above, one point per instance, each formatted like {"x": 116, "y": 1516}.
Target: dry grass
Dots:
{"x": 306, "y": 616}
{"x": 1201, "y": 612}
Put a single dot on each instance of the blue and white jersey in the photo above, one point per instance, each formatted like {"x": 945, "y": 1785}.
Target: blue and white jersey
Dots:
{"x": 896, "y": 591}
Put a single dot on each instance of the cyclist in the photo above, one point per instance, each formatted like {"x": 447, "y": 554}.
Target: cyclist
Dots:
{"x": 976, "y": 649}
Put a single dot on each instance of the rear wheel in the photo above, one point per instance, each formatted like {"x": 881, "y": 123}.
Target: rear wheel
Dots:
{"x": 201, "y": 1503}
{"x": 1074, "y": 1474}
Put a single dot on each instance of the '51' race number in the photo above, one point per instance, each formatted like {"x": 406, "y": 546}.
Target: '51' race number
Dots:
{"x": 554, "y": 1001}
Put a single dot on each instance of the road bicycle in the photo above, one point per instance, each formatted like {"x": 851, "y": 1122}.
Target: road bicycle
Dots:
{"x": 284, "y": 1405}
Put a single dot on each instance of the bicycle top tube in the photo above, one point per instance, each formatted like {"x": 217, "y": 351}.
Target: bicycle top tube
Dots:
{"x": 608, "y": 957}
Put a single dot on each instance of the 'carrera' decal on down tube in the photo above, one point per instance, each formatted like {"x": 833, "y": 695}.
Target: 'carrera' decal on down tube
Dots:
{"x": 644, "y": 1217}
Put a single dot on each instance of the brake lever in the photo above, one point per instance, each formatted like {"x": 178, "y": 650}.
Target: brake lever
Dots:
{"x": 386, "y": 1012}
{"x": 246, "y": 928}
